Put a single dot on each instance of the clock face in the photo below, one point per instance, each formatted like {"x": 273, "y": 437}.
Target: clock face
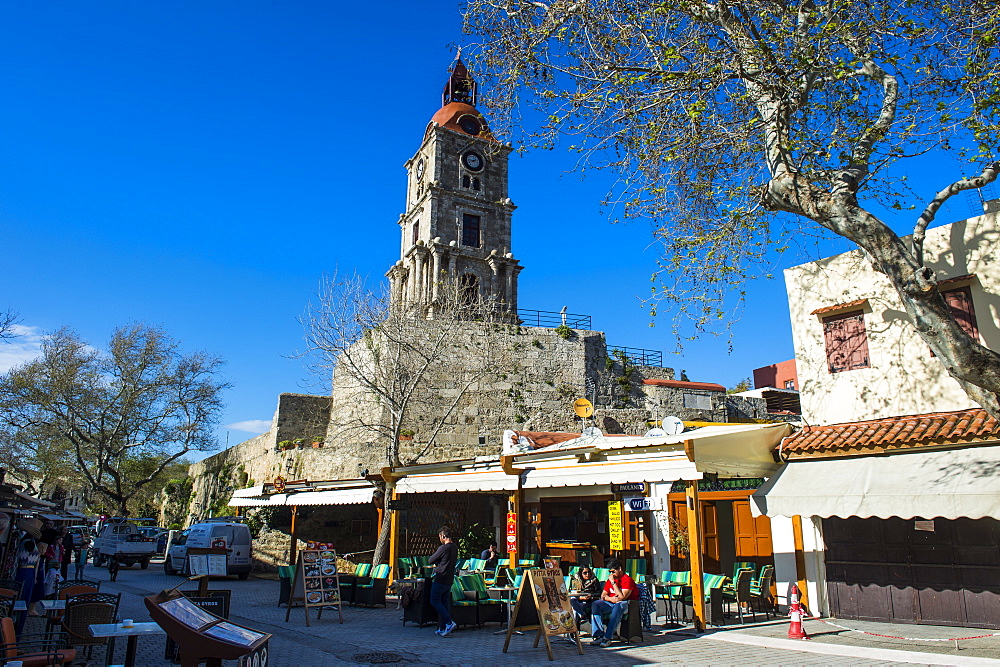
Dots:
{"x": 420, "y": 167}
{"x": 470, "y": 124}
{"x": 473, "y": 161}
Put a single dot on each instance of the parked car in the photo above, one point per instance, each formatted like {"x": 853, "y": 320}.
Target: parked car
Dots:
{"x": 80, "y": 534}
{"x": 231, "y": 535}
{"x": 158, "y": 534}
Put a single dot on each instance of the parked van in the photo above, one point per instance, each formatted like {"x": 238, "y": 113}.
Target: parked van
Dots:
{"x": 224, "y": 533}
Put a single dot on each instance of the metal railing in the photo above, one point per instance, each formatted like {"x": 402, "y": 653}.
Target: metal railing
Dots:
{"x": 638, "y": 356}
{"x": 553, "y": 319}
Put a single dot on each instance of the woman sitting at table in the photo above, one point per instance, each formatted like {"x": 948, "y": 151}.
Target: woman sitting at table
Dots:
{"x": 590, "y": 590}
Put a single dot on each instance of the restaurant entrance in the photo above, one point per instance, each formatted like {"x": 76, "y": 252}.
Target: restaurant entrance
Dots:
{"x": 573, "y": 528}
{"x": 731, "y": 532}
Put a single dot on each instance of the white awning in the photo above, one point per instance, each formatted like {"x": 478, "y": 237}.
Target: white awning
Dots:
{"x": 465, "y": 481}
{"x": 252, "y": 492}
{"x": 350, "y": 496}
{"x": 945, "y": 483}
{"x": 343, "y": 495}
{"x": 259, "y": 501}
{"x": 612, "y": 472}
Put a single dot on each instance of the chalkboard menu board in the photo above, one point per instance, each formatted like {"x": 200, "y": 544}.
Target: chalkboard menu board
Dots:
{"x": 317, "y": 583}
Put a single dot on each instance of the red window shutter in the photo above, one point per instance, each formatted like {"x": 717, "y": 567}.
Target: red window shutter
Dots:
{"x": 960, "y": 303}
{"x": 846, "y": 342}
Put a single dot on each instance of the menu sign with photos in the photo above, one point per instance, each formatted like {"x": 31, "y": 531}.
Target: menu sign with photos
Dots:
{"x": 546, "y": 609}
{"x": 317, "y": 582}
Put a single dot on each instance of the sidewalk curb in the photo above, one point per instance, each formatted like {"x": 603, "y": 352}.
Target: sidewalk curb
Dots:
{"x": 849, "y": 651}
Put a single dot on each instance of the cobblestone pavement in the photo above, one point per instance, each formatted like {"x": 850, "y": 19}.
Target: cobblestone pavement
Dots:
{"x": 368, "y": 631}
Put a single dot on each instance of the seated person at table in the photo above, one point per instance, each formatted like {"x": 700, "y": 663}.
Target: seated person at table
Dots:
{"x": 618, "y": 590}
{"x": 590, "y": 590}
{"x": 491, "y": 556}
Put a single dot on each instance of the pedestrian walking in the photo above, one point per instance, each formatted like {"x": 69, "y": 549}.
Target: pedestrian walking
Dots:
{"x": 67, "y": 552}
{"x": 81, "y": 556}
{"x": 443, "y": 560}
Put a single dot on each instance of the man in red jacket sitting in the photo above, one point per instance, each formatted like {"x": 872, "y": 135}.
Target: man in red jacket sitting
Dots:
{"x": 618, "y": 590}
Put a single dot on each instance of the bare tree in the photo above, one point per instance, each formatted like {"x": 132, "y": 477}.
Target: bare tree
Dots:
{"x": 8, "y": 318}
{"x": 396, "y": 371}
{"x": 739, "y": 129}
{"x": 124, "y": 416}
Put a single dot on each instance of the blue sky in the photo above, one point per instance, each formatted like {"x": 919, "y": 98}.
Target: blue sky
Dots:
{"x": 199, "y": 166}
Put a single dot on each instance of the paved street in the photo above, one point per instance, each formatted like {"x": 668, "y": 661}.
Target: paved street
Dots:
{"x": 368, "y": 631}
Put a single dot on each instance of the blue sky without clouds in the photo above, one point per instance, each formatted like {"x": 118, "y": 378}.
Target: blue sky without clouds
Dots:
{"x": 199, "y": 165}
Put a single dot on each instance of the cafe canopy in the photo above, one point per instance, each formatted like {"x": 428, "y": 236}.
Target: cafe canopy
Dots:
{"x": 327, "y": 492}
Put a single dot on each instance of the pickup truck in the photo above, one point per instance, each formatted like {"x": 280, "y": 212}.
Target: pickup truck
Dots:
{"x": 124, "y": 542}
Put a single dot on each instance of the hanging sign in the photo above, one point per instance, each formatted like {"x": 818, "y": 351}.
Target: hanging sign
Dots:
{"x": 545, "y": 609}
{"x": 616, "y": 526}
{"x": 641, "y": 503}
{"x": 511, "y": 532}
{"x": 629, "y": 487}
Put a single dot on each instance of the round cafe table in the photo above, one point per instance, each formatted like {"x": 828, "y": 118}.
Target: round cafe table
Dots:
{"x": 506, "y": 595}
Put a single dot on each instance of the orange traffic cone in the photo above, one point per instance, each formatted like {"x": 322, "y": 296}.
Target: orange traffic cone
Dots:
{"x": 795, "y": 630}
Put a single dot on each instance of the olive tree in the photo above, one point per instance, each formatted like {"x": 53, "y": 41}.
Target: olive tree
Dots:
{"x": 123, "y": 415}
{"x": 739, "y": 128}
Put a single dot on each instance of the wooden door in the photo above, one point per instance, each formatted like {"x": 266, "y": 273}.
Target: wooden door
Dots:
{"x": 710, "y": 536}
{"x": 936, "y": 571}
{"x": 637, "y": 542}
{"x": 752, "y": 534}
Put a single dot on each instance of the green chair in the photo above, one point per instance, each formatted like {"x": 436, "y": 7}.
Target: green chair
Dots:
{"x": 528, "y": 562}
{"x": 635, "y": 568}
{"x": 371, "y": 590}
{"x": 464, "y": 609}
{"x": 710, "y": 582}
{"x": 422, "y": 567}
{"x": 348, "y": 582}
{"x": 462, "y": 564}
{"x": 602, "y": 574}
{"x": 760, "y": 590}
{"x": 405, "y": 567}
{"x": 741, "y": 593}
{"x": 489, "y": 610}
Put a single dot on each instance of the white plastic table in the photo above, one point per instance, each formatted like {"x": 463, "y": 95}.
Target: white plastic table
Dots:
{"x": 133, "y": 633}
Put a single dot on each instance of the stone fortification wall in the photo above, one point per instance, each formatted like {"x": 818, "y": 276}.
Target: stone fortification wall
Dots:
{"x": 256, "y": 460}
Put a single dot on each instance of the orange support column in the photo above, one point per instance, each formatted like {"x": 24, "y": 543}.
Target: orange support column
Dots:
{"x": 393, "y": 534}
{"x": 695, "y": 556}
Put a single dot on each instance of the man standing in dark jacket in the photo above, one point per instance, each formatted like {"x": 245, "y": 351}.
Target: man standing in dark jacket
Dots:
{"x": 443, "y": 560}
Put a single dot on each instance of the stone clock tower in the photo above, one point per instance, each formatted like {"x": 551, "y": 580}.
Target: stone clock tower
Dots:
{"x": 456, "y": 228}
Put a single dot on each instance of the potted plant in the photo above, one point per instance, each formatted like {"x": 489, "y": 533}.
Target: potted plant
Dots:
{"x": 406, "y": 434}
{"x": 285, "y": 445}
{"x": 317, "y": 442}
{"x": 299, "y": 442}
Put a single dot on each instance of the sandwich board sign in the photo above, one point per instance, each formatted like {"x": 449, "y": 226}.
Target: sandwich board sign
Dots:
{"x": 317, "y": 583}
{"x": 543, "y": 605}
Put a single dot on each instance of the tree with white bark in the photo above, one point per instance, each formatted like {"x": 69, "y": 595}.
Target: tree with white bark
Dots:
{"x": 401, "y": 371}
{"x": 740, "y": 128}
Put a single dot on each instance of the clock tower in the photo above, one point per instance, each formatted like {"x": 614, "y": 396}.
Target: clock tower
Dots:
{"x": 456, "y": 228}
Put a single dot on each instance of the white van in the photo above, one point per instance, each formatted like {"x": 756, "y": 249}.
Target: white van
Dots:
{"x": 221, "y": 533}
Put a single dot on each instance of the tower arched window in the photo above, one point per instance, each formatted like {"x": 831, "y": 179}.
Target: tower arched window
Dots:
{"x": 465, "y": 180}
{"x": 475, "y": 184}
{"x": 468, "y": 288}
{"x": 416, "y": 232}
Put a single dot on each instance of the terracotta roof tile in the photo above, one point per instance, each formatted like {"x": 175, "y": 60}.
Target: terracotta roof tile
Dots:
{"x": 939, "y": 428}
{"x": 839, "y": 306}
{"x": 684, "y": 384}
